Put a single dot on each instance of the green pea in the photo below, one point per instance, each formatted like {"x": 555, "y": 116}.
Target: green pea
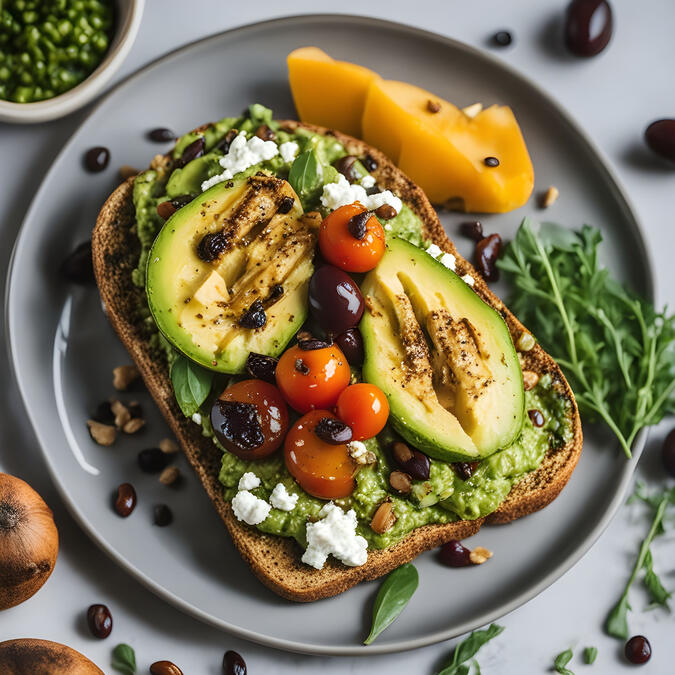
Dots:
{"x": 5, "y": 74}
{"x": 22, "y": 95}
{"x": 64, "y": 27}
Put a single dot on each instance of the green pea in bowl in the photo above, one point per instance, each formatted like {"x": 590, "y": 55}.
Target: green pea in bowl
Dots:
{"x": 57, "y": 55}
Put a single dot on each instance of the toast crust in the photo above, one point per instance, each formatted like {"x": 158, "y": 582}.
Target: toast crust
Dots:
{"x": 276, "y": 560}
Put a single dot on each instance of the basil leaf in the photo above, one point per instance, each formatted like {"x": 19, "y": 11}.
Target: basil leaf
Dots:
{"x": 616, "y": 623}
{"x": 468, "y": 648}
{"x": 124, "y": 659}
{"x": 394, "y": 594}
{"x": 590, "y": 654}
{"x": 561, "y": 661}
{"x": 306, "y": 176}
{"x": 191, "y": 384}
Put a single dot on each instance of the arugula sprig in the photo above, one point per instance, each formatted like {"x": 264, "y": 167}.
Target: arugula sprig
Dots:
{"x": 467, "y": 649}
{"x": 616, "y": 350}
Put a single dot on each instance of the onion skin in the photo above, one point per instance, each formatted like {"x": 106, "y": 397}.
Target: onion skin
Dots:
{"x": 29, "y": 541}
{"x": 20, "y": 657}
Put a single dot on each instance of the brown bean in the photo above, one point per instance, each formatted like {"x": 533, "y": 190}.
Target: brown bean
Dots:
{"x": 99, "y": 620}
{"x": 125, "y": 500}
{"x": 400, "y": 482}
{"x": 165, "y": 668}
{"x": 233, "y": 663}
{"x": 487, "y": 252}
{"x": 385, "y": 212}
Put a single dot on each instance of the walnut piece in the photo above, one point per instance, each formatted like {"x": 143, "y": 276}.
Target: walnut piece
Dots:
{"x": 124, "y": 377}
{"x": 168, "y": 446}
{"x": 479, "y": 555}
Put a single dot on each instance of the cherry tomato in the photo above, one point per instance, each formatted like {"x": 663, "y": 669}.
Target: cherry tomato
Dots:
{"x": 323, "y": 470}
{"x": 340, "y": 247}
{"x": 364, "y": 408}
{"x": 312, "y": 378}
{"x": 256, "y": 428}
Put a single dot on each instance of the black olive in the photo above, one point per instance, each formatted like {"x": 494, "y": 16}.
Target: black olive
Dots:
{"x": 192, "y": 151}
{"x": 333, "y": 431}
{"x": 262, "y": 367}
{"x": 254, "y": 316}
{"x": 236, "y": 425}
{"x": 212, "y": 246}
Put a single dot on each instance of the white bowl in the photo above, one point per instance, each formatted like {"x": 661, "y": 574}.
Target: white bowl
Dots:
{"x": 127, "y": 22}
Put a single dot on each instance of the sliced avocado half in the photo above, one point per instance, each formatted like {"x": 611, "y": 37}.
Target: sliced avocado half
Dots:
{"x": 442, "y": 355}
{"x": 263, "y": 252}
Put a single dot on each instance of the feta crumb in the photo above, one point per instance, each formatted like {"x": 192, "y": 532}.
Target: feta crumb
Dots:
{"x": 197, "y": 418}
{"x": 434, "y": 251}
{"x": 385, "y": 197}
{"x": 289, "y": 151}
{"x": 335, "y": 534}
{"x": 249, "y": 481}
{"x": 249, "y": 508}
{"x": 360, "y": 453}
{"x": 242, "y": 155}
{"x": 282, "y": 499}
{"x": 468, "y": 279}
{"x": 338, "y": 194}
{"x": 368, "y": 182}
{"x": 448, "y": 260}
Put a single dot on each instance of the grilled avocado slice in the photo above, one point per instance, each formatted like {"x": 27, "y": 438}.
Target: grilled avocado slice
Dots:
{"x": 442, "y": 355}
{"x": 228, "y": 273}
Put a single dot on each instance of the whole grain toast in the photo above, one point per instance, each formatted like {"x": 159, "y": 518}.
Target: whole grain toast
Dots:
{"x": 276, "y": 560}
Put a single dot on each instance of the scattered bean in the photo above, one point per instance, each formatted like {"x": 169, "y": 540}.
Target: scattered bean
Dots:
{"x": 384, "y": 518}
{"x": 99, "y": 620}
{"x": 169, "y": 476}
{"x": 134, "y": 425}
{"x": 385, "y": 212}
{"x": 351, "y": 344}
{"x": 233, "y": 664}
{"x": 168, "y": 446}
{"x": 347, "y": 167}
{"x": 487, "y": 252}
{"x": 125, "y": 500}
{"x": 103, "y": 434}
{"x": 479, "y": 555}
{"x": 588, "y": 26}
{"x": 124, "y": 377}
{"x": 192, "y": 151}
{"x": 161, "y": 135}
{"x": 357, "y": 225}
{"x": 638, "y": 650}
{"x": 162, "y": 515}
{"x": 166, "y": 209}
{"x": 165, "y": 668}
{"x": 412, "y": 461}
{"x": 465, "y": 469}
{"x": 96, "y": 159}
{"x": 400, "y": 482}
{"x": 472, "y": 229}
{"x": 152, "y": 460}
{"x": 549, "y": 197}
{"x": 660, "y": 137}
{"x": 104, "y": 414}
{"x": 265, "y": 133}
{"x": 530, "y": 379}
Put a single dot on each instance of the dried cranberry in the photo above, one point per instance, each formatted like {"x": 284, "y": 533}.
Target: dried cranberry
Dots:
{"x": 465, "y": 469}
{"x": 161, "y": 135}
{"x": 455, "y": 554}
{"x": 473, "y": 229}
{"x": 357, "y": 225}
{"x": 212, "y": 246}
{"x": 333, "y": 431}
{"x": 254, "y": 316}
{"x": 100, "y": 621}
{"x": 285, "y": 205}
{"x": 237, "y": 423}
{"x": 192, "y": 151}
{"x": 78, "y": 268}
{"x": 638, "y": 649}
{"x": 487, "y": 252}
{"x": 262, "y": 367}
{"x": 346, "y": 166}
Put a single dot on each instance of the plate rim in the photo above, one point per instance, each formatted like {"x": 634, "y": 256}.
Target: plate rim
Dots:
{"x": 621, "y": 198}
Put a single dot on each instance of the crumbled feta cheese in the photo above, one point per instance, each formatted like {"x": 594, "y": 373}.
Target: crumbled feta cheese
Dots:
{"x": 448, "y": 260}
{"x": 242, "y": 155}
{"x": 434, "y": 251}
{"x": 360, "y": 453}
{"x": 197, "y": 418}
{"x": 282, "y": 499}
{"x": 335, "y": 534}
{"x": 341, "y": 193}
{"x": 249, "y": 481}
{"x": 289, "y": 151}
{"x": 249, "y": 508}
{"x": 368, "y": 182}
{"x": 468, "y": 279}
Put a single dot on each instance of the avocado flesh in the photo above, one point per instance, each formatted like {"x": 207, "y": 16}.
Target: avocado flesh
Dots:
{"x": 443, "y": 356}
{"x": 197, "y": 305}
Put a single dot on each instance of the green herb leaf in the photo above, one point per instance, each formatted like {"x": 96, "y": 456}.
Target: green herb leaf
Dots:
{"x": 657, "y": 593}
{"x": 617, "y": 352}
{"x": 468, "y": 648}
{"x": 394, "y": 594}
{"x": 616, "y": 623}
{"x": 306, "y": 175}
{"x": 590, "y": 654}
{"x": 561, "y": 661}
{"x": 191, "y": 384}
{"x": 124, "y": 659}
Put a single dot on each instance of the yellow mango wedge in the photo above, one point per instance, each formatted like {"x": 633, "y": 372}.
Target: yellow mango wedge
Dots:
{"x": 328, "y": 92}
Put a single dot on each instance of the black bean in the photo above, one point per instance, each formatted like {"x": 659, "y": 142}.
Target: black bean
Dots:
{"x": 254, "y": 317}
{"x": 346, "y": 166}
{"x": 161, "y": 135}
{"x": 472, "y": 229}
{"x": 162, "y": 515}
{"x": 78, "y": 267}
{"x": 99, "y": 620}
{"x": 491, "y": 161}
{"x": 96, "y": 159}
{"x": 125, "y": 500}
{"x": 233, "y": 664}
{"x": 152, "y": 460}
{"x": 236, "y": 424}
{"x": 285, "y": 205}
{"x": 487, "y": 252}
{"x": 358, "y": 224}
{"x": 192, "y": 151}
{"x": 212, "y": 246}
{"x": 262, "y": 367}
{"x": 333, "y": 431}
{"x": 502, "y": 38}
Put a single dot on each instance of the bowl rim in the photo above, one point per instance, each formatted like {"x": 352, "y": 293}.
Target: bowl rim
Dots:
{"x": 129, "y": 17}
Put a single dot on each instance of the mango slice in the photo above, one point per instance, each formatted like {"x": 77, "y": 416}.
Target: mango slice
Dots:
{"x": 328, "y": 92}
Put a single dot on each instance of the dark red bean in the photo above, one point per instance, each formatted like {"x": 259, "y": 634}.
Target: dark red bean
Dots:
{"x": 161, "y": 135}
{"x": 335, "y": 300}
{"x": 254, "y": 317}
{"x": 491, "y": 162}
{"x": 455, "y": 554}
{"x": 668, "y": 453}
{"x": 233, "y": 664}
{"x": 96, "y": 159}
{"x": 152, "y": 460}
{"x": 162, "y": 515}
{"x": 473, "y": 229}
{"x": 660, "y": 137}
{"x": 638, "y": 649}
{"x": 125, "y": 500}
{"x": 536, "y": 417}
{"x": 99, "y": 620}
{"x": 78, "y": 268}
{"x": 346, "y": 166}
{"x": 487, "y": 252}
{"x": 412, "y": 461}
{"x": 465, "y": 469}
{"x": 166, "y": 210}
{"x": 192, "y": 151}
{"x": 333, "y": 431}
{"x": 502, "y": 38}
{"x": 351, "y": 344}
{"x": 262, "y": 367}
{"x": 588, "y": 26}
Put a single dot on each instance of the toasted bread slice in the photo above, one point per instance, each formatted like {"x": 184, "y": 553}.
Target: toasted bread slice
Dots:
{"x": 276, "y": 560}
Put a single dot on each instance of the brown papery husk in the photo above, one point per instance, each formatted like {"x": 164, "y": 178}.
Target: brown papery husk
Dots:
{"x": 43, "y": 657}
{"x": 29, "y": 541}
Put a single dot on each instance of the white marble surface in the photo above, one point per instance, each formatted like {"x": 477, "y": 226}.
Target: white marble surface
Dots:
{"x": 613, "y": 96}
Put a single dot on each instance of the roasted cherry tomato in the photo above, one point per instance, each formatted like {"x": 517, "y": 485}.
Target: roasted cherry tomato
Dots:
{"x": 364, "y": 408}
{"x": 250, "y": 419}
{"x": 350, "y": 243}
{"x": 312, "y": 378}
{"x": 323, "y": 470}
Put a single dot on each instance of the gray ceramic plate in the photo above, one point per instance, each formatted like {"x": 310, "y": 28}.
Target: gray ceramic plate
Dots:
{"x": 63, "y": 349}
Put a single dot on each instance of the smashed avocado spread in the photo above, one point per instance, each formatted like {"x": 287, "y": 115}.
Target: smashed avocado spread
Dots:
{"x": 307, "y": 160}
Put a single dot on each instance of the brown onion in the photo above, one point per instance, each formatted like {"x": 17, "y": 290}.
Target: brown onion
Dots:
{"x": 43, "y": 656}
{"x": 29, "y": 541}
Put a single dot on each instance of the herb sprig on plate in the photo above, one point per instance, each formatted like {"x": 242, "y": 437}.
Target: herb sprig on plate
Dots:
{"x": 616, "y": 350}
{"x": 467, "y": 649}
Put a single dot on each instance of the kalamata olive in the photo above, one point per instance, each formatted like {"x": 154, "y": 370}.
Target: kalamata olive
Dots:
{"x": 99, "y": 620}
{"x": 412, "y": 461}
{"x": 262, "y": 367}
{"x": 351, "y": 344}
{"x": 335, "y": 300}
{"x": 668, "y": 453}
{"x": 161, "y": 135}
{"x": 473, "y": 229}
{"x": 536, "y": 417}
{"x": 254, "y": 317}
{"x": 233, "y": 664}
{"x": 502, "y": 38}
{"x": 162, "y": 515}
{"x": 588, "y": 26}
{"x": 487, "y": 251}
{"x": 333, "y": 431}
{"x": 125, "y": 499}
{"x": 96, "y": 159}
{"x": 192, "y": 151}
{"x": 660, "y": 137}
{"x": 345, "y": 165}
{"x": 152, "y": 460}
{"x": 78, "y": 268}
{"x": 638, "y": 649}
{"x": 455, "y": 554}
{"x": 237, "y": 425}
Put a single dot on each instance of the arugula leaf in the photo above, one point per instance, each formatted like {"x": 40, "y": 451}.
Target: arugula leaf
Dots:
{"x": 658, "y": 594}
{"x": 191, "y": 384}
{"x": 468, "y": 648}
{"x": 306, "y": 176}
{"x": 616, "y": 350}
{"x": 590, "y": 654}
{"x": 124, "y": 659}
{"x": 561, "y": 661}
{"x": 393, "y": 596}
